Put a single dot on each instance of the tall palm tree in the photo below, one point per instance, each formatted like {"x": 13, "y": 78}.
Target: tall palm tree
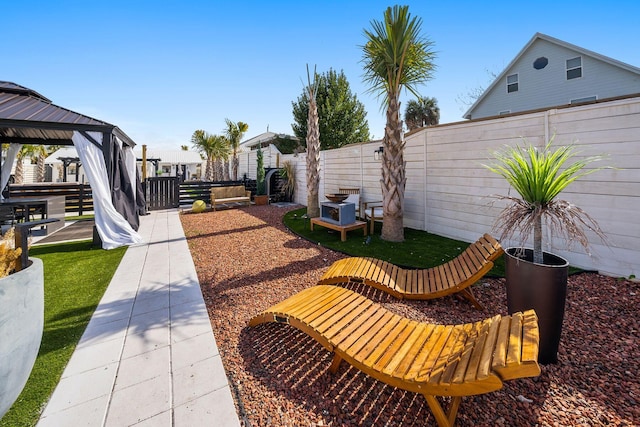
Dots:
{"x": 203, "y": 142}
{"x": 313, "y": 148}
{"x": 40, "y": 153}
{"x": 221, "y": 149}
{"x": 422, "y": 112}
{"x": 234, "y": 133}
{"x": 26, "y": 152}
{"x": 396, "y": 56}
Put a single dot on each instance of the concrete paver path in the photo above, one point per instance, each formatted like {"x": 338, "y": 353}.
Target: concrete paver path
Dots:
{"x": 148, "y": 356}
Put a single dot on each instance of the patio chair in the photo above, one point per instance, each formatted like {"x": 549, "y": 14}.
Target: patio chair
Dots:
{"x": 455, "y": 276}
{"x": 7, "y": 218}
{"x": 433, "y": 360}
{"x": 373, "y": 211}
{"x": 354, "y": 197}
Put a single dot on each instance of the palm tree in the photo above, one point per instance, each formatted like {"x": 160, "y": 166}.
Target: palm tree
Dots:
{"x": 220, "y": 149}
{"x": 396, "y": 56}
{"x": 40, "y": 153}
{"x": 234, "y": 133}
{"x": 26, "y": 152}
{"x": 313, "y": 148}
{"x": 422, "y": 112}
{"x": 202, "y": 141}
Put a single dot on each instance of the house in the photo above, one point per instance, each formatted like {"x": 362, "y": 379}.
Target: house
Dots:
{"x": 66, "y": 165}
{"x": 551, "y": 73}
{"x": 188, "y": 164}
{"x": 286, "y": 144}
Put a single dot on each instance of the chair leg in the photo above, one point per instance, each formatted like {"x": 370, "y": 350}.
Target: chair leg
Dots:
{"x": 335, "y": 364}
{"x": 468, "y": 294}
{"x": 443, "y": 419}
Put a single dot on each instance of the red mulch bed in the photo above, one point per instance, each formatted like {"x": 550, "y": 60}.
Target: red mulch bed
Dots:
{"x": 247, "y": 261}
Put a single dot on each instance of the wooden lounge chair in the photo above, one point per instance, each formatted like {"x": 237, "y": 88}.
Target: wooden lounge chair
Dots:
{"x": 452, "y": 277}
{"x": 433, "y": 360}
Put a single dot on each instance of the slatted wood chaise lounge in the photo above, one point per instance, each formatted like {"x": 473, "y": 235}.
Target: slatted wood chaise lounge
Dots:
{"x": 452, "y": 277}
{"x": 433, "y": 360}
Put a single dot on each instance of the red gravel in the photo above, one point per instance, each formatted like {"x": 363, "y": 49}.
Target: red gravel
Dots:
{"x": 247, "y": 261}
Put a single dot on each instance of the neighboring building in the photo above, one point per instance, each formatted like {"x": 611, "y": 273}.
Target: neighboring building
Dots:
{"x": 286, "y": 144}
{"x": 67, "y": 166}
{"x": 188, "y": 164}
{"x": 551, "y": 73}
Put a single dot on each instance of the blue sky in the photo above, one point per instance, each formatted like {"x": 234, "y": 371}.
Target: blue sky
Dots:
{"x": 161, "y": 69}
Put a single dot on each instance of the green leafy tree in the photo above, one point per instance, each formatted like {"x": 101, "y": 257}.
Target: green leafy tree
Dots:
{"x": 342, "y": 119}
{"x": 421, "y": 112}
{"x": 396, "y": 56}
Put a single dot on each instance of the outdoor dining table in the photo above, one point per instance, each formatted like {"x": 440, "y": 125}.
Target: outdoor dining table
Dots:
{"x": 25, "y": 205}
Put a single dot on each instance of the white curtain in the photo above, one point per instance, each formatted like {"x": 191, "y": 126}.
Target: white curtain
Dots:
{"x": 114, "y": 230}
{"x": 12, "y": 153}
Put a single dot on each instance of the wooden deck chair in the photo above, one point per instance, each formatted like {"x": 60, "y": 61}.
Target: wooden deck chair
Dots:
{"x": 373, "y": 211}
{"x": 433, "y": 360}
{"x": 455, "y": 276}
{"x": 354, "y": 197}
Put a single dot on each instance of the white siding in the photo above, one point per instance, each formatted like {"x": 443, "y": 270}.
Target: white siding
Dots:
{"x": 549, "y": 86}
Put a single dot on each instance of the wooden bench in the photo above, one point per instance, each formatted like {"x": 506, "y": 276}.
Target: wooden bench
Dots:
{"x": 433, "y": 360}
{"x": 455, "y": 276}
{"x": 235, "y": 194}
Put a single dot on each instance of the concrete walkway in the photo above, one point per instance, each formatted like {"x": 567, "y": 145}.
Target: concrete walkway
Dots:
{"x": 148, "y": 356}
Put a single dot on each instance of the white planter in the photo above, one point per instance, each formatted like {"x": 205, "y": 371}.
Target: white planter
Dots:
{"x": 21, "y": 325}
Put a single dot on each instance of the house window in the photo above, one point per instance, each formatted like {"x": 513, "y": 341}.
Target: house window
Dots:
{"x": 574, "y": 68}
{"x": 512, "y": 83}
{"x": 540, "y": 63}
{"x": 581, "y": 100}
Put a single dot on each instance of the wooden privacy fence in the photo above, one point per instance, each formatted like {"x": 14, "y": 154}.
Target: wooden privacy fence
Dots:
{"x": 78, "y": 197}
{"x": 162, "y": 192}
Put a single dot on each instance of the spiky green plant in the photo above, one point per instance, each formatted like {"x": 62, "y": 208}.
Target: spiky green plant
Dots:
{"x": 288, "y": 173}
{"x": 539, "y": 176}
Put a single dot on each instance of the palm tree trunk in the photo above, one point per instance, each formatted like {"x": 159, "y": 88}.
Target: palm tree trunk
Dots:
{"x": 226, "y": 168}
{"x": 19, "y": 172}
{"x": 393, "y": 174}
{"x": 538, "y": 256}
{"x": 40, "y": 169}
{"x": 209, "y": 170}
{"x": 235, "y": 165}
{"x": 313, "y": 160}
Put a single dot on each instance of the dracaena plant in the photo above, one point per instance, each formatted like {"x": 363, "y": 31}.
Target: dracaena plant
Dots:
{"x": 539, "y": 176}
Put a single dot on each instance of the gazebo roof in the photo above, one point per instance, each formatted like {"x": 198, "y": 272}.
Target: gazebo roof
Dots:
{"x": 27, "y": 117}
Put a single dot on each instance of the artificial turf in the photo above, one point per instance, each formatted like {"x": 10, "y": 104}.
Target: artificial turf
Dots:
{"x": 75, "y": 278}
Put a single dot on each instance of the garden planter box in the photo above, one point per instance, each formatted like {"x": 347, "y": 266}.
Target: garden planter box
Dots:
{"x": 21, "y": 324}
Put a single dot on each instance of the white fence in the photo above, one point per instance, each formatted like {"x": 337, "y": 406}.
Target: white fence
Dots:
{"x": 448, "y": 189}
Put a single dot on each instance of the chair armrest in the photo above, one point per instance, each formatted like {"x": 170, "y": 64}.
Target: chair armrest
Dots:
{"x": 375, "y": 203}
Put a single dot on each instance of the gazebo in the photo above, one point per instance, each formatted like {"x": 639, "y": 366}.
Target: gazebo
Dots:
{"x": 106, "y": 153}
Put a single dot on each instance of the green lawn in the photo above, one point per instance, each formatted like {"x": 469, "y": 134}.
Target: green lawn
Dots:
{"x": 420, "y": 249}
{"x": 75, "y": 278}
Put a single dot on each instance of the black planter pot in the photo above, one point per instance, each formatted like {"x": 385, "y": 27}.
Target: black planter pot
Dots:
{"x": 542, "y": 287}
